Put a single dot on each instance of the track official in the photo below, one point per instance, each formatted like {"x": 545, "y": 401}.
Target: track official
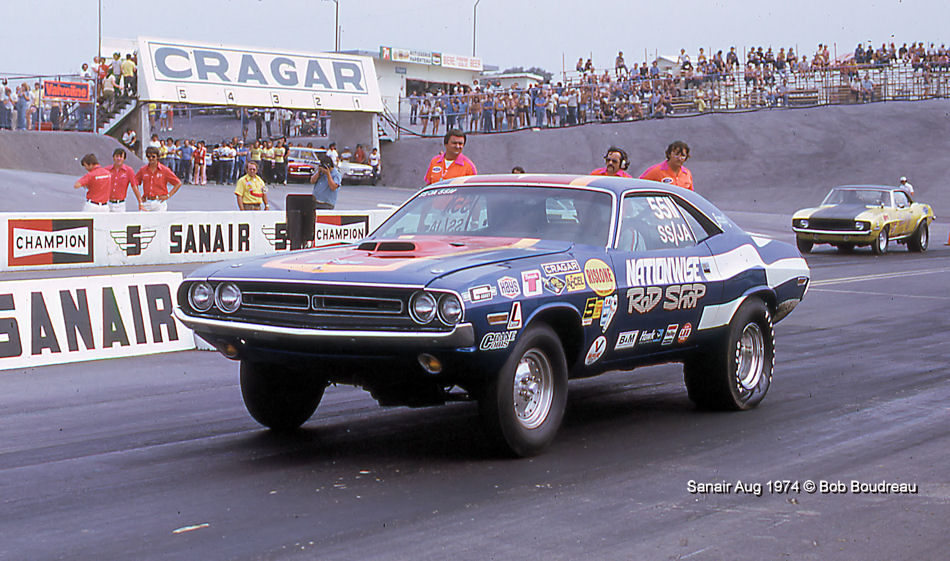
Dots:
{"x": 672, "y": 171}
{"x": 251, "y": 191}
{"x": 450, "y": 163}
{"x": 617, "y": 163}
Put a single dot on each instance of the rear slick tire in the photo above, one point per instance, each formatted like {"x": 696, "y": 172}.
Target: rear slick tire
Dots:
{"x": 523, "y": 406}
{"x": 738, "y": 375}
{"x": 279, "y": 397}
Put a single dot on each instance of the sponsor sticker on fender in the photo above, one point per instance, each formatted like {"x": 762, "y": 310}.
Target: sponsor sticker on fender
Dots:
{"x": 596, "y": 350}
{"x": 531, "y": 282}
{"x": 509, "y": 287}
{"x": 560, "y": 268}
{"x": 497, "y": 340}
{"x": 670, "y": 333}
{"x": 481, "y": 293}
{"x": 607, "y": 315}
{"x": 514, "y": 319}
{"x": 626, "y": 340}
{"x": 651, "y": 336}
{"x": 592, "y": 310}
{"x": 600, "y": 277}
{"x": 575, "y": 282}
{"x": 684, "y": 333}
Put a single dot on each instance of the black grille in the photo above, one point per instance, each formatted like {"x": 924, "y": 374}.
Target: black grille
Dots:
{"x": 831, "y": 224}
{"x": 325, "y": 307}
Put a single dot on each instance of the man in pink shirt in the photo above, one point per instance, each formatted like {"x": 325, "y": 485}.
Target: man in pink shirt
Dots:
{"x": 98, "y": 185}
{"x": 122, "y": 176}
{"x": 672, "y": 171}
{"x": 617, "y": 163}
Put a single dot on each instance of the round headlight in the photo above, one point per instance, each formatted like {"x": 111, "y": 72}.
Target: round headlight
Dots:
{"x": 803, "y": 222}
{"x": 227, "y": 297}
{"x": 422, "y": 307}
{"x": 450, "y": 309}
{"x": 201, "y": 296}
{"x": 861, "y": 225}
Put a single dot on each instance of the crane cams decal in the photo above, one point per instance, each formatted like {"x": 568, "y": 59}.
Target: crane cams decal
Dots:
{"x": 497, "y": 340}
{"x": 600, "y": 277}
{"x": 596, "y": 350}
{"x": 607, "y": 315}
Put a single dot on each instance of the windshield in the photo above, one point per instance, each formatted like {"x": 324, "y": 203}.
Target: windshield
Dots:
{"x": 867, "y": 197}
{"x": 575, "y": 215}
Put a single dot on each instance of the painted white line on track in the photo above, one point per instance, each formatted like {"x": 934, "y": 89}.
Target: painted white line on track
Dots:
{"x": 889, "y": 294}
{"x": 879, "y": 276}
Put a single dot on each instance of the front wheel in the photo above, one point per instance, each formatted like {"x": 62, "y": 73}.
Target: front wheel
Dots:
{"x": 278, "y": 397}
{"x": 921, "y": 238}
{"x": 804, "y": 246}
{"x": 522, "y": 407}
{"x": 879, "y": 247}
{"x": 737, "y": 376}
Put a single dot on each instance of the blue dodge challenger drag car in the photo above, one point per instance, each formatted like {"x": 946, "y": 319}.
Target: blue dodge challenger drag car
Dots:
{"x": 501, "y": 289}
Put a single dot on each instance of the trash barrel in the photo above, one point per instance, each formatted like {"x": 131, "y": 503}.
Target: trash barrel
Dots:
{"x": 300, "y": 220}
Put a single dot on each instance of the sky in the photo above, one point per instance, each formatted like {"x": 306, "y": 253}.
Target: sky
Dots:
{"x": 48, "y": 37}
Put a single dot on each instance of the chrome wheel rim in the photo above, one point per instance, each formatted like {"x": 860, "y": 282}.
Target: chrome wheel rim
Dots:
{"x": 533, "y": 389}
{"x": 750, "y": 357}
{"x": 882, "y": 240}
{"x": 924, "y": 237}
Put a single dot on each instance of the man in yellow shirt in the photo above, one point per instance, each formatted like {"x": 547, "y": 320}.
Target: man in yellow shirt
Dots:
{"x": 128, "y": 76}
{"x": 251, "y": 192}
{"x": 280, "y": 163}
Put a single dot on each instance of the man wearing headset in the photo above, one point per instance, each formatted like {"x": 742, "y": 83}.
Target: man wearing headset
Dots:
{"x": 616, "y": 163}
{"x": 672, "y": 171}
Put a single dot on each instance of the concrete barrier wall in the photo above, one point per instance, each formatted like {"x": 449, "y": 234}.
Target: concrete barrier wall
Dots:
{"x": 57, "y": 152}
{"x": 77, "y": 240}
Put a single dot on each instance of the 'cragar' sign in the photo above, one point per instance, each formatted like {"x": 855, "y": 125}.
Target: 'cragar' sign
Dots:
{"x": 54, "y": 321}
{"x": 227, "y": 75}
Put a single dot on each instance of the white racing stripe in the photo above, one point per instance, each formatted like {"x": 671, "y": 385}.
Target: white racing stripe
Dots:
{"x": 734, "y": 262}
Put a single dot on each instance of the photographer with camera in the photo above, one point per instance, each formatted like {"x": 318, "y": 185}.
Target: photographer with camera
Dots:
{"x": 326, "y": 181}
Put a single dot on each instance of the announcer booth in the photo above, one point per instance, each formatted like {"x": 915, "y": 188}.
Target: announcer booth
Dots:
{"x": 185, "y": 72}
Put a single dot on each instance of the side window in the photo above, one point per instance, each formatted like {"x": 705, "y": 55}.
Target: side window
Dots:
{"x": 700, "y": 224}
{"x": 651, "y": 222}
{"x": 900, "y": 199}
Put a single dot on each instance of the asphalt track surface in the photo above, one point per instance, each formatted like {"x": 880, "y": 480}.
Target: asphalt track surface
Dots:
{"x": 156, "y": 458}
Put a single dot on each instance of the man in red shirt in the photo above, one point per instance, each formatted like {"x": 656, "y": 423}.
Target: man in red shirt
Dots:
{"x": 672, "y": 171}
{"x": 98, "y": 184}
{"x": 155, "y": 178}
{"x": 617, "y": 163}
{"x": 122, "y": 177}
{"x": 450, "y": 163}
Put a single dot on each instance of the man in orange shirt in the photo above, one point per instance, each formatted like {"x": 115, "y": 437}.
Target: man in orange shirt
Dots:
{"x": 450, "y": 163}
{"x": 672, "y": 171}
{"x": 155, "y": 178}
{"x": 617, "y": 163}
{"x": 98, "y": 184}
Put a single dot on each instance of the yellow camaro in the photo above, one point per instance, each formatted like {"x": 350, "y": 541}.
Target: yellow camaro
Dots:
{"x": 857, "y": 215}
